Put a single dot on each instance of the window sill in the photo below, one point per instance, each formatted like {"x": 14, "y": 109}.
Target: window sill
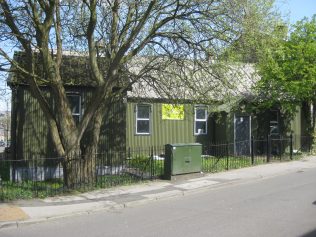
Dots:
{"x": 200, "y": 134}
{"x": 142, "y": 134}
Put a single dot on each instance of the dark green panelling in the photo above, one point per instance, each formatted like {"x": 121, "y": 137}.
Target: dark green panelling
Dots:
{"x": 113, "y": 130}
{"x": 162, "y": 131}
{"x": 305, "y": 119}
{"x": 32, "y": 138}
{"x": 219, "y": 127}
{"x": 31, "y": 128}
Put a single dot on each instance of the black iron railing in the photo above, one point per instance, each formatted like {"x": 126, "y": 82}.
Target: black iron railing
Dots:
{"x": 231, "y": 155}
{"x": 40, "y": 177}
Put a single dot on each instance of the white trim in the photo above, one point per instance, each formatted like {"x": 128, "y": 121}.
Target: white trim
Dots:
{"x": 142, "y": 119}
{"x": 200, "y": 120}
{"x": 76, "y": 95}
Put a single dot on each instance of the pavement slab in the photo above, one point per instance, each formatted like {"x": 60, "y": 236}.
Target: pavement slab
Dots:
{"x": 12, "y": 213}
{"x": 165, "y": 194}
{"x": 196, "y": 184}
{"x": 65, "y": 210}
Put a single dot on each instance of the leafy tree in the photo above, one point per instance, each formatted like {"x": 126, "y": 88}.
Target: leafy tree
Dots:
{"x": 288, "y": 69}
{"x": 260, "y": 21}
{"x": 140, "y": 38}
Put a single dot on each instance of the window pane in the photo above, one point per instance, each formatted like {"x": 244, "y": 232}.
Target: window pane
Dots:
{"x": 143, "y": 111}
{"x": 74, "y": 101}
{"x": 200, "y": 113}
{"x": 143, "y": 126}
{"x": 200, "y": 127}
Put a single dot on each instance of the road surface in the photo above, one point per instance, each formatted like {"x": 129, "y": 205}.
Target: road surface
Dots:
{"x": 284, "y": 205}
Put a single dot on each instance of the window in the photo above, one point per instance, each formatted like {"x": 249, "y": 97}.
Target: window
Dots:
{"x": 143, "y": 119}
{"x": 200, "y": 120}
{"x": 75, "y": 106}
{"x": 274, "y": 122}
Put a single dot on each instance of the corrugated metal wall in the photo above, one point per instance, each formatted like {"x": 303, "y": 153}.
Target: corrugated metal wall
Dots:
{"x": 162, "y": 131}
{"x": 119, "y": 128}
{"x": 31, "y": 129}
{"x": 32, "y": 133}
{"x": 113, "y": 130}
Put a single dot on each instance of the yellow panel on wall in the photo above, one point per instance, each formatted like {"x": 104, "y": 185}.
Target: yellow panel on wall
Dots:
{"x": 172, "y": 112}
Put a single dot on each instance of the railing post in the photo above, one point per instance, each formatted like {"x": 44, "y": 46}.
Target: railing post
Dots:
{"x": 111, "y": 166}
{"x": 291, "y": 146}
{"x": 151, "y": 163}
{"x": 97, "y": 164}
{"x": 280, "y": 147}
{"x": 268, "y": 148}
{"x": 252, "y": 151}
{"x": 227, "y": 154}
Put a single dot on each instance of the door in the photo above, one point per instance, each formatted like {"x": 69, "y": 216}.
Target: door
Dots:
{"x": 242, "y": 130}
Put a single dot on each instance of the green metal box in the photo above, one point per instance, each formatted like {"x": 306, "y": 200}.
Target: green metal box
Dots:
{"x": 182, "y": 159}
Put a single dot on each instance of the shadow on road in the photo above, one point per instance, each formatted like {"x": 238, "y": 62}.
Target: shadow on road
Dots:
{"x": 310, "y": 234}
{"x": 314, "y": 203}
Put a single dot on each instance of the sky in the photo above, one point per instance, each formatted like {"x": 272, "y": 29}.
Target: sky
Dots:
{"x": 296, "y": 10}
{"x": 293, "y": 10}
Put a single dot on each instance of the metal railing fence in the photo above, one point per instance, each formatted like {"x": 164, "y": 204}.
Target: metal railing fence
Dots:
{"x": 41, "y": 177}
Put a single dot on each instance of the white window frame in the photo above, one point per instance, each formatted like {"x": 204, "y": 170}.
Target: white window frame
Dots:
{"x": 79, "y": 114}
{"x": 200, "y": 120}
{"x": 143, "y": 119}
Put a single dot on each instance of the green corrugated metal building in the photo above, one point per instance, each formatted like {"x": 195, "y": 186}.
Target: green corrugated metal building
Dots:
{"x": 138, "y": 120}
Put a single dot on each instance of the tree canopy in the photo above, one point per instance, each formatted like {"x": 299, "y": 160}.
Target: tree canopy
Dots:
{"x": 288, "y": 67}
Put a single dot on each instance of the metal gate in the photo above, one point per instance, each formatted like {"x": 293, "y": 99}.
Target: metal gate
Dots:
{"x": 242, "y": 131}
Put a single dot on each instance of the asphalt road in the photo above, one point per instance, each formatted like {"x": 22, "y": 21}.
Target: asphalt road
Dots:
{"x": 280, "y": 206}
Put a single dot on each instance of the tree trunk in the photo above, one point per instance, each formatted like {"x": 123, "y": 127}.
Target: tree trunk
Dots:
{"x": 80, "y": 169}
{"x": 80, "y": 165}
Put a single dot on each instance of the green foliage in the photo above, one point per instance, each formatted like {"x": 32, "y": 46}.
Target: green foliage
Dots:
{"x": 11, "y": 190}
{"x": 259, "y": 22}
{"x": 108, "y": 181}
{"x": 13, "y": 193}
{"x": 145, "y": 164}
{"x": 4, "y": 170}
{"x": 41, "y": 189}
{"x": 288, "y": 68}
{"x": 219, "y": 164}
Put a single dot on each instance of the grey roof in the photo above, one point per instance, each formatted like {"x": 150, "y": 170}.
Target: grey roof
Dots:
{"x": 75, "y": 69}
{"x": 160, "y": 78}
{"x": 219, "y": 83}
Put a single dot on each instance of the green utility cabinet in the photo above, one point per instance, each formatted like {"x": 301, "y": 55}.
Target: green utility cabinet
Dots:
{"x": 182, "y": 159}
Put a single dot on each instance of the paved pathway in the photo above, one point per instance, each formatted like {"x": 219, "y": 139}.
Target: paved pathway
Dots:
{"x": 38, "y": 210}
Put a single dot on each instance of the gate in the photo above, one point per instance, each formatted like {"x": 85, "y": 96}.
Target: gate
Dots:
{"x": 242, "y": 131}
